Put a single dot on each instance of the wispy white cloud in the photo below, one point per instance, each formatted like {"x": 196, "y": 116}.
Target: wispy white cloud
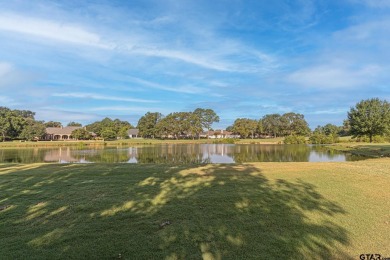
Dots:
{"x": 65, "y": 116}
{"x": 49, "y": 29}
{"x": 128, "y": 109}
{"x": 216, "y": 57}
{"x": 5, "y": 68}
{"x": 180, "y": 89}
{"x": 334, "y": 76}
{"x": 101, "y": 97}
{"x": 328, "y": 111}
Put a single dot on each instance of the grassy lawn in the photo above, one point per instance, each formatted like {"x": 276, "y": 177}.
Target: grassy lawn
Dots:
{"x": 243, "y": 211}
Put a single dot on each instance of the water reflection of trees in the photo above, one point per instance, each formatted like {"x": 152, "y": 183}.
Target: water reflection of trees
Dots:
{"x": 271, "y": 153}
{"x": 176, "y": 154}
{"x": 101, "y": 155}
{"x": 31, "y": 155}
{"x": 180, "y": 154}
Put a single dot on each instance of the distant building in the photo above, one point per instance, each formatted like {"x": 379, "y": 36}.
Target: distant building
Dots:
{"x": 218, "y": 134}
{"x": 60, "y": 133}
{"x": 133, "y": 133}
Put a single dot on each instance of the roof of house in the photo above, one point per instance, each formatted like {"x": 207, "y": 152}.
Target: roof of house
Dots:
{"x": 134, "y": 131}
{"x": 61, "y": 130}
{"x": 219, "y": 132}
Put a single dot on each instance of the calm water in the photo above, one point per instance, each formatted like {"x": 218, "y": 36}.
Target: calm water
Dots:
{"x": 177, "y": 153}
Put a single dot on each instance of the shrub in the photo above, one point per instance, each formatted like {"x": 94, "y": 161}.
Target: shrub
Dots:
{"x": 294, "y": 139}
{"x": 320, "y": 138}
{"x": 375, "y": 139}
{"x": 224, "y": 141}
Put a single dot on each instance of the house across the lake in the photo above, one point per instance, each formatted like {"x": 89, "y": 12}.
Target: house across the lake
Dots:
{"x": 60, "y": 133}
{"x": 218, "y": 134}
{"x": 133, "y": 133}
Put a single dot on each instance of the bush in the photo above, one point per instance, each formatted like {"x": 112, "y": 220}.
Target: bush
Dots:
{"x": 319, "y": 138}
{"x": 375, "y": 139}
{"x": 294, "y": 139}
{"x": 224, "y": 141}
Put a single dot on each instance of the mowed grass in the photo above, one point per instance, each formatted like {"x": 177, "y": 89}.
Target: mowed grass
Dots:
{"x": 243, "y": 211}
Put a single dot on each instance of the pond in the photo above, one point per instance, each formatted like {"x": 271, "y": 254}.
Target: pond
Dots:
{"x": 177, "y": 153}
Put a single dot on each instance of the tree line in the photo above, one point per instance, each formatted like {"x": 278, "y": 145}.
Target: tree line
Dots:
{"x": 367, "y": 120}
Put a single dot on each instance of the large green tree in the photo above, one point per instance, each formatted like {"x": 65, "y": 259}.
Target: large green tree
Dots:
{"x": 147, "y": 124}
{"x": 108, "y": 134}
{"x": 294, "y": 124}
{"x": 33, "y": 130}
{"x": 245, "y": 127}
{"x": 12, "y": 122}
{"x": 81, "y": 134}
{"x": 370, "y": 117}
{"x": 207, "y": 117}
{"x": 115, "y": 126}
{"x": 272, "y": 124}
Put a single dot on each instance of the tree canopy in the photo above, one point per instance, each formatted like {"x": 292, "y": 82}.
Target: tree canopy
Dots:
{"x": 13, "y": 122}
{"x": 369, "y": 117}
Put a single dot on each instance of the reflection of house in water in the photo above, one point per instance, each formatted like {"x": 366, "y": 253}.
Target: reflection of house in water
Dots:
{"x": 62, "y": 154}
{"x": 133, "y": 154}
{"x": 218, "y": 153}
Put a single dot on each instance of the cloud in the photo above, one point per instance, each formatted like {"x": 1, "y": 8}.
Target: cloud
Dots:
{"x": 336, "y": 76}
{"x": 73, "y": 34}
{"x": 222, "y": 54}
{"x": 65, "y": 116}
{"x": 101, "y": 97}
{"x": 5, "y": 68}
{"x": 179, "y": 89}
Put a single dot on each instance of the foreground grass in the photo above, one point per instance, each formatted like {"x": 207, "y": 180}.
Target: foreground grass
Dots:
{"x": 246, "y": 211}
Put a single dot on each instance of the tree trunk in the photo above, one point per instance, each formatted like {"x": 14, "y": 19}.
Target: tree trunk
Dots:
{"x": 370, "y": 138}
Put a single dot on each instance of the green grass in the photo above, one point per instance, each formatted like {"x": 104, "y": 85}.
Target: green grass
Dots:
{"x": 366, "y": 149}
{"x": 243, "y": 211}
{"x": 127, "y": 142}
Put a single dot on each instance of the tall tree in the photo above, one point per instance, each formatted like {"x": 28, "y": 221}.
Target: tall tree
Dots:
{"x": 245, "y": 127}
{"x": 272, "y": 124}
{"x": 33, "y": 130}
{"x": 12, "y": 122}
{"x": 294, "y": 124}
{"x": 370, "y": 117}
{"x": 81, "y": 134}
{"x": 169, "y": 125}
{"x": 207, "y": 118}
{"x": 147, "y": 124}
{"x": 108, "y": 124}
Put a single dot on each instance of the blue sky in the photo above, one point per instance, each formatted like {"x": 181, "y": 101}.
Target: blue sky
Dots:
{"x": 85, "y": 60}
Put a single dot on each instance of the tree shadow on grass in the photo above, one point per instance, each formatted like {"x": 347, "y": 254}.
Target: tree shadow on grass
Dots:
{"x": 164, "y": 212}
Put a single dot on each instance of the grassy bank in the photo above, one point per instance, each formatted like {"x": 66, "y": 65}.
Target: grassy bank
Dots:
{"x": 247, "y": 211}
{"x": 366, "y": 149}
{"x": 129, "y": 142}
